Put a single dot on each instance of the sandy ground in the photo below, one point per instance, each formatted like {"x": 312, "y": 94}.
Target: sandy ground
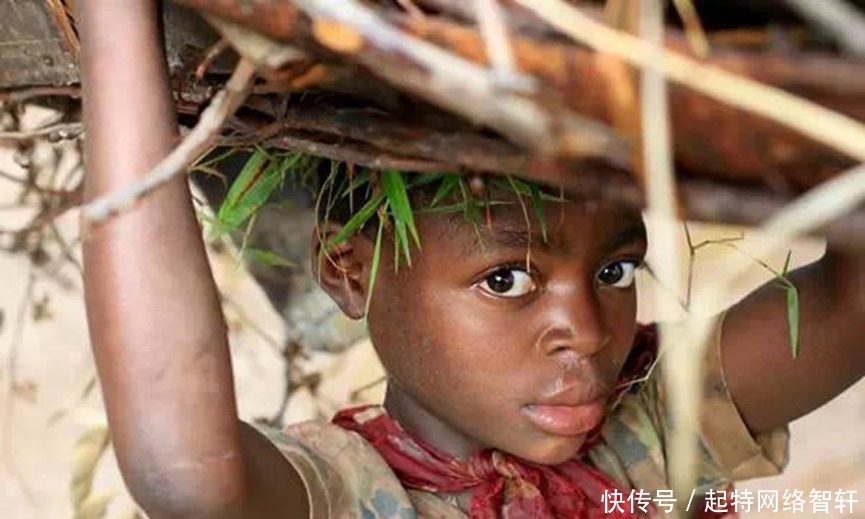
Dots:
{"x": 45, "y": 415}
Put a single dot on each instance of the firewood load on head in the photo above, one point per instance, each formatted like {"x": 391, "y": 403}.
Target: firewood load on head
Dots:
{"x": 436, "y": 85}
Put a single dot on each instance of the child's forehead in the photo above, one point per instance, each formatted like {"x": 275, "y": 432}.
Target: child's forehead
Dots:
{"x": 557, "y": 225}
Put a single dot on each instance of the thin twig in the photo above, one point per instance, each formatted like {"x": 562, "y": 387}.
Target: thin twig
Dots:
{"x": 495, "y": 33}
{"x": 682, "y": 379}
{"x": 823, "y": 125}
{"x": 59, "y": 131}
{"x": 210, "y": 55}
{"x": 412, "y": 9}
{"x": 64, "y": 23}
{"x": 839, "y": 19}
{"x": 352, "y": 29}
{"x": 198, "y": 141}
{"x": 821, "y": 205}
{"x": 693, "y": 27}
{"x": 25, "y": 94}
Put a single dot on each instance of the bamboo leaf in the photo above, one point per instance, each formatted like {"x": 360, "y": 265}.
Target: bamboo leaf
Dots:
{"x": 209, "y": 160}
{"x": 253, "y": 167}
{"x": 376, "y": 260}
{"x": 249, "y": 192}
{"x": 787, "y": 263}
{"x": 422, "y": 179}
{"x": 94, "y": 507}
{"x": 247, "y": 234}
{"x": 472, "y": 212}
{"x": 539, "y": 209}
{"x": 89, "y": 449}
{"x": 401, "y": 240}
{"x": 446, "y": 188}
{"x": 357, "y": 221}
{"x": 269, "y": 258}
{"x": 359, "y": 181}
{"x": 793, "y": 318}
{"x": 460, "y": 207}
{"x": 394, "y": 188}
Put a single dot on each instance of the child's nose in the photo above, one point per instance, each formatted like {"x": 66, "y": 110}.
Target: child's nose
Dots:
{"x": 573, "y": 326}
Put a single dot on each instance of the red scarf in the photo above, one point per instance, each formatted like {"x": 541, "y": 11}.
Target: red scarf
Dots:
{"x": 505, "y": 487}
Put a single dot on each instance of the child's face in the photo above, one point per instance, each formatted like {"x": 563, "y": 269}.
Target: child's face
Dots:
{"x": 483, "y": 350}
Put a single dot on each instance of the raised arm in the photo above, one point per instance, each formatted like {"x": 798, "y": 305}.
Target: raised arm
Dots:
{"x": 156, "y": 325}
{"x": 771, "y": 388}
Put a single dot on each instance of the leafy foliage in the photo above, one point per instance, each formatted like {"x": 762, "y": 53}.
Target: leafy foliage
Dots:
{"x": 385, "y": 198}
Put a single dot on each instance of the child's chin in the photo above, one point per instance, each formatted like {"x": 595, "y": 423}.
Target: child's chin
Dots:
{"x": 555, "y": 450}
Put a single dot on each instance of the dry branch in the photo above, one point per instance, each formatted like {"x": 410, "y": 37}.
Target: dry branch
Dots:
{"x": 837, "y": 18}
{"x": 54, "y": 132}
{"x": 375, "y": 139}
{"x": 722, "y": 154}
{"x": 537, "y": 120}
{"x": 197, "y": 142}
{"x": 712, "y": 139}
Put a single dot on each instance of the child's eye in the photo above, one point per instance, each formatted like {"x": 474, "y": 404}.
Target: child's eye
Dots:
{"x": 618, "y": 274}
{"x": 508, "y": 282}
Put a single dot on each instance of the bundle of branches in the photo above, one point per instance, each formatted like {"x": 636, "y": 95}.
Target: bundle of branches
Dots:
{"x": 543, "y": 89}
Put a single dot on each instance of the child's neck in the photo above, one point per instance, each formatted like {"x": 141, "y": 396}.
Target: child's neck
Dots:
{"x": 418, "y": 420}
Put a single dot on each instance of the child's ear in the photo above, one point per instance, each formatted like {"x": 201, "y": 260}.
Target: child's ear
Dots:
{"x": 343, "y": 270}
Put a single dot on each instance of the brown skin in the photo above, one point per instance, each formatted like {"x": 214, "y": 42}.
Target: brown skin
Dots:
{"x": 462, "y": 362}
{"x": 156, "y": 324}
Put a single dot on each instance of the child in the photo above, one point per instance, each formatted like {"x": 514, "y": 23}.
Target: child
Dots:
{"x": 501, "y": 368}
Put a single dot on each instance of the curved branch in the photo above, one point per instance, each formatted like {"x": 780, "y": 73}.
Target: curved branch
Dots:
{"x": 196, "y": 143}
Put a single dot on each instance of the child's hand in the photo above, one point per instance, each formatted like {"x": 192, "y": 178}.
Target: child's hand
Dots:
{"x": 155, "y": 320}
{"x": 771, "y": 388}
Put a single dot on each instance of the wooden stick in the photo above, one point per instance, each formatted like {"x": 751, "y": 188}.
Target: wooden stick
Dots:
{"x": 198, "y": 141}
{"x": 820, "y": 124}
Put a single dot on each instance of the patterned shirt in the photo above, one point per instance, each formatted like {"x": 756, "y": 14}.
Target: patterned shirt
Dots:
{"x": 345, "y": 477}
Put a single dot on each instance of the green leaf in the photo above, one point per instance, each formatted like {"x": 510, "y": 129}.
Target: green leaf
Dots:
{"x": 359, "y": 181}
{"x": 357, "y": 221}
{"x": 447, "y": 187}
{"x": 787, "y": 263}
{"x": 460, "y": 207}
{"x": 539, "y": 209}
{"x": 376, "y": 260}
{"x": 247, "y": 234}
{"x": 793, "y": 318}
{"x": 422, "y": 179}
{"x": 207, "y": 160}
{"x": 251, "y": 170}
{"x": 472, "y": 211}
{"x": 269, "y": 258}
{"x": 394, "y": 188}
{"x": 251, "y": 189}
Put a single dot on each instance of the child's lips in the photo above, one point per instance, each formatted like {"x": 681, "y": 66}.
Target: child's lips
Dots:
{"x": 566, "y": 420}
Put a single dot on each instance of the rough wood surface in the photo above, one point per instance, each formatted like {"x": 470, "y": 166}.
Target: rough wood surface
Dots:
{"x": 712, "y": 140}
{"x": 354, "y": 106}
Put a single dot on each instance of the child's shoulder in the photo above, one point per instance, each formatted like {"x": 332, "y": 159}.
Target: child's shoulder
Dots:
{"x": 632, "y": 442}
{"x": 345, "y": 476}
